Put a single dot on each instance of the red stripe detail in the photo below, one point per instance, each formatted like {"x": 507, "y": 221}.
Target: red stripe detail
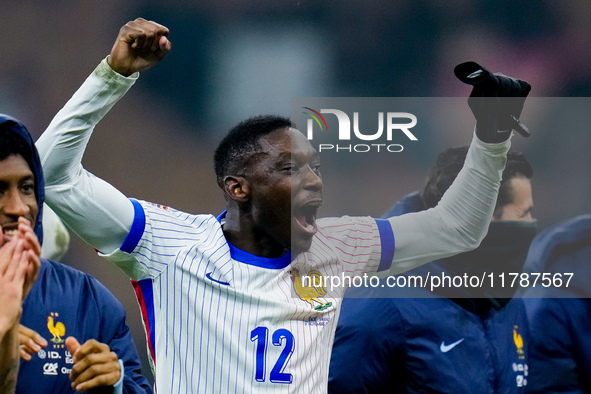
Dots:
{"x": 321, "y": 117}
{"x": 140, "y": 299}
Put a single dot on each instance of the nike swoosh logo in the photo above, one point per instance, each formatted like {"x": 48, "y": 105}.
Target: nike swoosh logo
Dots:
{"x": 476, "y": 73}
{"x": 208, "y": 276}
{"x": 446, "y": 348}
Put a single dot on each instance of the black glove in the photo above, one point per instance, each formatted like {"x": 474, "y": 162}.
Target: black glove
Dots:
{"x": 496, "y": 102}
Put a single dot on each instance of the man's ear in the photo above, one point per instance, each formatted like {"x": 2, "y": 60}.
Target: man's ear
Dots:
{"x": 237, "y": 188}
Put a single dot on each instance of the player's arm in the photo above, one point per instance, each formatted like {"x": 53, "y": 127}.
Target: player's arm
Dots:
{"x": 111, "y": 358}
{"x": 460, "y": 221}
{"x": 9, "y": 361}
{"x": 92, "y": 208}
{"x": 117, "y": 335}
{"x": 11, "y": 288}
{"x": 19, "y": 265}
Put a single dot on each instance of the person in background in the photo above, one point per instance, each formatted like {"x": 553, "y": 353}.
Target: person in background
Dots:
{"x": 73, "y": 335}
{"x": 560, "y": 314}
{"x": 454, "y": 340}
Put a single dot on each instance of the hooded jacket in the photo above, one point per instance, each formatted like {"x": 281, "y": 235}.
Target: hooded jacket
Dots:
{"x": 66, "y": 302}
{"x": 425, "y": 342}
{"x": 561, "y": 325}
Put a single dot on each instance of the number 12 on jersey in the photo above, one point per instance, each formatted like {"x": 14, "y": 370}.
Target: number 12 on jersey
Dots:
{"x": 260, "y": 335}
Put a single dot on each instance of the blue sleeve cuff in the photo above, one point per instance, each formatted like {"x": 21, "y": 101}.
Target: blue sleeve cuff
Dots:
{"x": 387, "y": 242}
{"x": 137, "y": 228}
{"x": 118, "y": 387}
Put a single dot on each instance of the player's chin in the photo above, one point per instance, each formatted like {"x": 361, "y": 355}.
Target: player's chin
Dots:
{"x": 300, "y": 245}
{"x": 300, "y": 241}
{"x": 302, "y": 234}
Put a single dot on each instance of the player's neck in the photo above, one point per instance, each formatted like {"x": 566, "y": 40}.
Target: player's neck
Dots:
{"x": 241, "y": 232}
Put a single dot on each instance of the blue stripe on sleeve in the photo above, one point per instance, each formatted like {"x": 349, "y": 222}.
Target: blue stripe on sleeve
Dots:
{"x": 137, "y": 228}
{"x": 388, "y": 244}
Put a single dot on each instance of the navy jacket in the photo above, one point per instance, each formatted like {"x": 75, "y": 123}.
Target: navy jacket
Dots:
{"x": 66, "y": 302}
{"x": 427, "y": 345}
{"x": 78, "y": 306}
{"x": 561, "y": 327}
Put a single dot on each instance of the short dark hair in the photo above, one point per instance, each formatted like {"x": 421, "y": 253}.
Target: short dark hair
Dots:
{"x": 13, "y": 144}
{"x": 450, "y": 162}
{"x": 242, "y": 140}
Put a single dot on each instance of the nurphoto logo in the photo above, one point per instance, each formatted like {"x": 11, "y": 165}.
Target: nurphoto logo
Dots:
{"x": 396, "y": 123}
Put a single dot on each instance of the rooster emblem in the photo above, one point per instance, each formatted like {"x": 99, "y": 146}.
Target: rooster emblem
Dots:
{"x": 57, "y": 330}
{"x": 311, "y": 294}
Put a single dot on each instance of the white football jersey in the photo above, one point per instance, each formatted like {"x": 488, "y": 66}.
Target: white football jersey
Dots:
{"x": 221, "y": 320}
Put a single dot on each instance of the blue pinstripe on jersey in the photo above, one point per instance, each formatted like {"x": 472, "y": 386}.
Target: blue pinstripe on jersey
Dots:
{"x": 202, "y": 327}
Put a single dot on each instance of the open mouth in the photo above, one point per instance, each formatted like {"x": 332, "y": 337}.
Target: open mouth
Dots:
{"x": 9, "y": 230}
{"x": 305, "y": 216}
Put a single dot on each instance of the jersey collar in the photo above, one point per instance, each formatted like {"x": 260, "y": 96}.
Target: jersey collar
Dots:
{"x": 248, "y": 258}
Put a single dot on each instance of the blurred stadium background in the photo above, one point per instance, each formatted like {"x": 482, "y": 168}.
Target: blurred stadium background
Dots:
{"x": 234, "y": 59}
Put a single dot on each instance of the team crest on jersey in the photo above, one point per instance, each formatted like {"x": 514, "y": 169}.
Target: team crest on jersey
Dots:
{"x": 57, "y": 329}
{"x": 311, "y": 289}
{"x": 518, "y": 340}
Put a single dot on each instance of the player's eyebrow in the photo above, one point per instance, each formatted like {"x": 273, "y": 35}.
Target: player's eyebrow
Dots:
{"x": 285, "y": 159}
{"x": 312, "y": 154}
{"x": 285, "y": 156}
{"x": 26, "y": 178}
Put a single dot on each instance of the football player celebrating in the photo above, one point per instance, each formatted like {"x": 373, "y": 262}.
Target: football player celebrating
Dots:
{"x": 224, "y": 303}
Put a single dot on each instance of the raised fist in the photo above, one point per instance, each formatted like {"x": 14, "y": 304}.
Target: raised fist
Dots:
{"x": 496, "y": 101}
{"x": 139, "y": 45}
